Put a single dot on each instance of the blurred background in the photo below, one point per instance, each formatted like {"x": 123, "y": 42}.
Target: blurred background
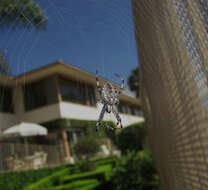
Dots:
{"x": 50, "y": 104}
{"x": 49, "y": 53}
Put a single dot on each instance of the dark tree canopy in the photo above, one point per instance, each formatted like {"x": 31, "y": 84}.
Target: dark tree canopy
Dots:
{"x": 4, "y": 64}
{"x": 133, "y": 80}
{"x": 131, "y": 138}
{"x": 22, "y": 12}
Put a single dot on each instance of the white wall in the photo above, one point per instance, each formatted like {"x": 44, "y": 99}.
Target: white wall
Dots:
{"x": 63, "y": 110}
{"x": 78, "y": 111}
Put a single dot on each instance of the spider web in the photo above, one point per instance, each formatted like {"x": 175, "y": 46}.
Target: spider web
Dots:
{"x": 20, "y": 43}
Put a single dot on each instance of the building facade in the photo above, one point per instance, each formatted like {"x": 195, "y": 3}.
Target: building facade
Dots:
{"x": 58, "y": 92}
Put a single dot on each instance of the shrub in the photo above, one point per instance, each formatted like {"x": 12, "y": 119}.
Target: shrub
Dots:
{"x": 86, "y": 147}
{"x": 79, "y": 184}
{"x": 101, "y": 173}
{"x": 51, "y": 180}
{"x": 18, "y": 180}
{"x": 86, "y": 166}
{"x": 131, "y": 138}
{"x": 135, "y": 171}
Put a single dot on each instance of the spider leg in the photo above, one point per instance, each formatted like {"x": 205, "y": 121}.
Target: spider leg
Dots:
{"x": 122, "y": 83}
{"x": 115, "y": 112}
{"x": 98, "y": 84}
{"x": 100, "y": 117}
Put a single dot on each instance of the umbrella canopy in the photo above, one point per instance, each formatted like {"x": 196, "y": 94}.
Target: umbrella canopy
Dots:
{"x": 25, "y": 129}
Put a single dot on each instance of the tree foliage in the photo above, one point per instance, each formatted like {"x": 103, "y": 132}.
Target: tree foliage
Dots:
{"x": 86, "y": 147}
{"x": 134, "y": 80}
{"x": 135, "y": 171}
{"x": 19, "y": 13}
{"x": 4, "y": 64}
{"x": 131, "y": 138}
{"x": 22, "y": 12}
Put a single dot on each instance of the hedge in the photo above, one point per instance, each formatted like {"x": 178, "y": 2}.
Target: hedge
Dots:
{"x": 131, "y": 138}
{"x": 99, "y": 173}
{"x": 42, "y": 178}
{"x": 134, "y": 171}
{"x": 60, "y": 178}
{"x": 76, "y": 185}
{"x": 18, "y": 180}
{"x": 48, "y": 181}
{"x": 105, "y": 161}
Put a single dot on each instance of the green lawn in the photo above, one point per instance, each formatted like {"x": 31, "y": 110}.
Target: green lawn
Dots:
{"x": 18, "y": 180}
{"x": 74, "y": 179}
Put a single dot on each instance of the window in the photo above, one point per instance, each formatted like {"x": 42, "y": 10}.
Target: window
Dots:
{"x": 124, "y": 108}
{"x": 121, "y": 107}
{"x": 138, "y": 111}
{"x": 34, "y": 95}
{"x": 74, "y": 135}
{"x": 72, "y": 91}
{"x": 91, "y": 95}
{"x": 132, "y": 110}
{"x": 128, "y": 109}
{"x": 6, "y": 100}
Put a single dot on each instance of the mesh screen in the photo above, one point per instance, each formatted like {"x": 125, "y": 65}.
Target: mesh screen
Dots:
{"x": 172, "y": 38}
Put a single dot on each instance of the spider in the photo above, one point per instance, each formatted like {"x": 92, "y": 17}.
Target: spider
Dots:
{"x": 109, "y": 97}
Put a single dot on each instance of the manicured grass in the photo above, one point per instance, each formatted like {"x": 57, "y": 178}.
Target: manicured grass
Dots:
{"x": 88, "y": 187}
{"x": 76, "y": 185}
{"x": 53, "y": 177}
{"x": 72, "y": 178}
{"x": 104, "y": 161}
{"x": 99, "y": 172}
{"x": 48, "y": 181}
{"x": 19, "y": 180}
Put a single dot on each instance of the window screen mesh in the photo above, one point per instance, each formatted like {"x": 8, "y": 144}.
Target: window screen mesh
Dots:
{"x": 172, "y": 38}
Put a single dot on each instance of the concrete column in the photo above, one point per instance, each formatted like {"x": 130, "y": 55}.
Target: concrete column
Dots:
{"x": 66, "y": 144}
{"x": 18, "y": 102}
{"x": 87, "y": 95}
{"x": 57, "y": 89}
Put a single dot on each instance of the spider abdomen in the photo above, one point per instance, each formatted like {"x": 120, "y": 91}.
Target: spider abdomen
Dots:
{"x": 109, "y": 94}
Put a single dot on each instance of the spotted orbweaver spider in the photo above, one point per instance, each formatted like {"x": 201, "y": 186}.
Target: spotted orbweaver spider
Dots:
{"x": 109, "y": 97}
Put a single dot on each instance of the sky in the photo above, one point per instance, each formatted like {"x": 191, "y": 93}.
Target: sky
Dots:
{"x": 89, "y": 34}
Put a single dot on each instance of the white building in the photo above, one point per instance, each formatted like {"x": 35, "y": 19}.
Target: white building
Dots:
{"x": 55, "y": 92}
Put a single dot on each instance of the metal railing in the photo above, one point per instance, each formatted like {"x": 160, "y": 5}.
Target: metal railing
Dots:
{"x": 14, "y": 157}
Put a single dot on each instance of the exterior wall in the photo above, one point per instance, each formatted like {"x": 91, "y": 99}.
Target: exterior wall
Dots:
{"x": 7, "y": 120}
{"x": 63, "y": 110}
{"x": 56, "y": 108}
{"x": 43, "y": 114}
{"x": 18, "y": 102}
{"x": 56, "y": 111}
{"x": 78, "y": 111}
{"x": 130, "y": 119}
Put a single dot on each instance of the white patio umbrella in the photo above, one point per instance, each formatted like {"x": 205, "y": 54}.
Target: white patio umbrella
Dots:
{"x": 25, "y": 129}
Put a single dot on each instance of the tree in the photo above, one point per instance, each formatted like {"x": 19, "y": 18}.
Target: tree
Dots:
{"x": 131, "y": 138}
{"x": 19, "y": 13}
{"x": 22, "y": 12}
{"x": 135, "y": 171}
{"x": 134, "y": 80}
{"x": 4, "y": 64}
{"x": 86, "y": 147}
